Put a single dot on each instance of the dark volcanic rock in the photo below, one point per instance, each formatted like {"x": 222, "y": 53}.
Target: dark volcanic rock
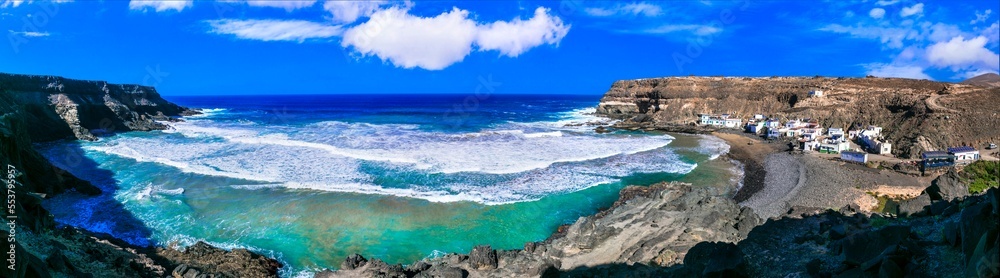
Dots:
{"x": 211, "y": 260}
{"x": 353, "y": 261}
{"x": 483, "y": 257}
{"x": 80, "y": 109}
{"x": 947, "y": 186}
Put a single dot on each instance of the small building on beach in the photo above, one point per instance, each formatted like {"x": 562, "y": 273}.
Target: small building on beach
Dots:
{"x": 964, "y": 154}
{"x": 936, "y": 159}
{"x": 755, "y": 127}
{"x": 834, "y": 146}
{"x": 853, "y": 156}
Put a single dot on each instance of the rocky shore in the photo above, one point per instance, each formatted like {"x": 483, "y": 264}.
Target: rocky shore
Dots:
{"x": 43, "y": 108}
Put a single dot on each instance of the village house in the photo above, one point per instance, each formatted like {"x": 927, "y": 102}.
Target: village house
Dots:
{"x": 755, "y": 127}
{"x": 724, "y": 120}
{"x": 835, "y": 133}
{"x": 852, "y": 156}
{"x": 773, "y": 133}
{"x": 808, "y": 145}
{"x": 772, "y": 123}
{"x": 816, "y": 93}
{"x": 811, "y": 133}
{"x": 830, "y": 145}
{"x": 871, "y": 138}
{"x": 964, "y": 154}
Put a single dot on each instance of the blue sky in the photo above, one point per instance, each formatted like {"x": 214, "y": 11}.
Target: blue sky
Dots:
{"x": 570, "y": 47}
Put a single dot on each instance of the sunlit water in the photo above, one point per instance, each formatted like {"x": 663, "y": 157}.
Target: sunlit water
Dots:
{"x": 312, "y": 179}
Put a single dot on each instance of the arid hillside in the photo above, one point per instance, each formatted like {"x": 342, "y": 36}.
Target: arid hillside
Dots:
{"x": 917, "y": 115}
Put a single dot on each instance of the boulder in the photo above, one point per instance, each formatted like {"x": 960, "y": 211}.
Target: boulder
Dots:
{"x": 863, "y": 247}
{"x": 353, "y": 261}
{"x": 483, "y": 257}
{"x": 947, "y": 187}
{"x": 914, "y": 206}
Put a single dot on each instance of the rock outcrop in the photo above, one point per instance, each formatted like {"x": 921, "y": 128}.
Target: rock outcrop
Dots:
{"x": 69, "y": 108}
{"x": 651, "y": 227}
{"x": 917, "y": 115}
{"x": 64, "y": 108}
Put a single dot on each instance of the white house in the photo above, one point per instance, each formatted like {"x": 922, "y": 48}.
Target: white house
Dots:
{"x": 732, "y": 122}
{"x": 772, "y": 123}
{"x": 773, "y": 133}
{"x": 964, "y": 154}
{"x": 834, "y": 146}
{"x": 871, "y": 138}
{"x": 755, "y": 127}
{"x": 808, "y": 145}
{"x": 794, "y": 124}
{"x": 816, "y": 93}
{"x": 835, "y": 133}
{"x": 758, "y": 117}
{"x": 811, "y": 133}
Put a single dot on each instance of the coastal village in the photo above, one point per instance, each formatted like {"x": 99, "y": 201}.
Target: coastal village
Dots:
{"x": 855, "y": 144}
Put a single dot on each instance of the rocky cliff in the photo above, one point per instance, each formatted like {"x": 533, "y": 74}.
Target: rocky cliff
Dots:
{"x": 654, "y": 226}
{"x": 918, "y": 115}
{"x": 677, "y": 230}
{"x": 42, "y": 108}
{"x": 68, "y": 108}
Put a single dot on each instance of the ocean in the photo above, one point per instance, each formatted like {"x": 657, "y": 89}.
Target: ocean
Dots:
{"x": 311, "y": 179}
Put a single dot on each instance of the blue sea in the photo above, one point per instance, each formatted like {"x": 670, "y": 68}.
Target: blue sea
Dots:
{"x": 311, "y": 179}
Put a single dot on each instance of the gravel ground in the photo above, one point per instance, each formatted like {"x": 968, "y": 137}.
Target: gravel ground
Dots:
{"x": 810, "y": 181}
{"x": 785, "y": 177}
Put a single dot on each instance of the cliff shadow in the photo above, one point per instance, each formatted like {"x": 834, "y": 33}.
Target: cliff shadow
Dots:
{"x": 101, "y": 214}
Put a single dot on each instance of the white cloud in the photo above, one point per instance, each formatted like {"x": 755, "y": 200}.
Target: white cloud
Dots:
{"x": 877, "y": 13}
{"x": 12, "y": 3}
{"x": 29, "y": 34}
{"x": 632, "y": 9}
{"x": 959, "y": 53}
{"x": 159, "y": 6}
{"x": 891, "y": 37}
{"x": 517, "y": 36}
{"x": 992, "y": 33}
{"x": 434, "y": 43}
{"x": 288, "y": 5}
{"x": 15, "y": 3}
{"x": 696, "y": 29}
{"x": 886, "y": 2}
{"x": 916, "y": 9}
{"x": 889, "y": 70}
{"x": 350, "y": 11}
{"x": 981, "y": 17}
{"x": 274, "y": 30}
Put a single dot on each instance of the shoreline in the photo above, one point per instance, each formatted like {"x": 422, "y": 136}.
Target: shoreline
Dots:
{"x": 752, "y": 153}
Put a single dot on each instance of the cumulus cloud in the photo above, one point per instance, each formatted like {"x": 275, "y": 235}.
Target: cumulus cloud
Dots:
{"x": 288, "y": 5}
{"x": 959, "y": 53}
{"x": 877, "y": 13}
{"x": 351, "y": 11}
{"x": 517, "y": 36}
{"x": 274, "y": 30}
{"x": 890, "y": 70}
{"x": 916, "y": 9}
{"x": 632, "y": 9}
{"x": 434, "y": 43}
{"x": 160, "y": 6}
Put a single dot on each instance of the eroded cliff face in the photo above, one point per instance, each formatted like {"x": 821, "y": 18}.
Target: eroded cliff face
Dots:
{"x": 918, "y": 115}
{"x": 64, "y": 108}
{"x": 67, "y": 108}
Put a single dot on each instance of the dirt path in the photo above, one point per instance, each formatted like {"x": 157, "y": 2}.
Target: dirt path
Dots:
{"x": 937, "y": 108}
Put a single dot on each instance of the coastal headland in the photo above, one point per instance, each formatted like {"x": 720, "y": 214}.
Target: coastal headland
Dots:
{"x": 789, "y": 203}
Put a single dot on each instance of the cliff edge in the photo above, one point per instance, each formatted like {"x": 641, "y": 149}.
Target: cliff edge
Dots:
{"x": 918, "y": 115}
{"x": 44, "y": 108}
{"x": 67, "y": 108}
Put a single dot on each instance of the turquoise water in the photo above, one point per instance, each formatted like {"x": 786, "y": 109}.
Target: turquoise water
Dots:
{"x": 330, "y": 178}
